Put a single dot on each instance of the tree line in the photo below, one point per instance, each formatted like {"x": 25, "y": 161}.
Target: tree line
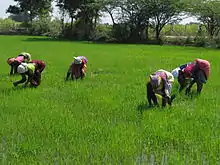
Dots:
{"x": 132, "y": 20}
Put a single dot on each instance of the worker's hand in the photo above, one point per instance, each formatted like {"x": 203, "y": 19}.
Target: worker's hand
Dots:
{"x": 25, "y": 85}
{"x": 167, "y": 93}
{"x": 168, "y": 99}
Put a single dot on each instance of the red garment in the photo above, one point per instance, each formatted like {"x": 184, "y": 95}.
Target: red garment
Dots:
{"x": 40, "y": 64}
{"x": 76, "y": 69}
{"x": 204, "y": 66}
{"x": 188, "y": 71}
{"x": 83, "y": 61}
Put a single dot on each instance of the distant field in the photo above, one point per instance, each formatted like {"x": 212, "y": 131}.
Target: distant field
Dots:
{"x": 103, "y": 119}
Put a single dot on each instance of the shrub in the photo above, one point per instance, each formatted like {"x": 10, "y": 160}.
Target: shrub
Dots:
{"x": 46, "y": 27}
{"x": 121, "y": 32}
{"x": 8, "y": 25}
{"x": 103, "y": 33}
{"x": 174, "y": 40}
{"x": 200, "y": 41}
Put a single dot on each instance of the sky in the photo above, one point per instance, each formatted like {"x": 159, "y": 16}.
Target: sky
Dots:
{"x": 105, "y": 19}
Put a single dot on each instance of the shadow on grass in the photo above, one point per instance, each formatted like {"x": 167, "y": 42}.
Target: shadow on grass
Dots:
{"x": 50, "y": 39}
{"x": 14, "y": 89}
{"x": 44, "y": 39}
{"x": 143, "y": 107}
{"x": 192, "y": 95}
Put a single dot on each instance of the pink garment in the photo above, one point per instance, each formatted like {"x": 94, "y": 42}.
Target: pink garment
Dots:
{"x": 155, "y": 79}
{"x": 84, "y": 58}
{"x": 161, "y": 74}
{"x": 19, "y": 59}
{"x": 204, "y": 66}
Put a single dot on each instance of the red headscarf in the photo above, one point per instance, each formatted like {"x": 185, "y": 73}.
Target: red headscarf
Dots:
{"x": 204, "y": 66}
{"x": 189, "y": 70}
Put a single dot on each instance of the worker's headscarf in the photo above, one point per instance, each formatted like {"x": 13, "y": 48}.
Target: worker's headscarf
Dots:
{"x": 77, "y": 60}
{"x": 10, "y": 60}
{"x": 155, "y": 81}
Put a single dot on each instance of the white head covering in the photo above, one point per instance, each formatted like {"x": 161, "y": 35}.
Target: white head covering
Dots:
{"x": 22, "y": 68}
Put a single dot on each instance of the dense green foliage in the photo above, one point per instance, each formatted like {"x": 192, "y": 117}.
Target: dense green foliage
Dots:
{"x": 133, "y": 21}
{"x": 7, "y": 25}
{"x": 103, "y": 119}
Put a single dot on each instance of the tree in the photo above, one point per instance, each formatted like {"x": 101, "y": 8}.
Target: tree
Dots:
{"x": 63, "y": 13}
{"x": 136, "y": 14}
{"x": 89, "y": 12}
{"x": 165, "y": 12}
{"x": 84, "y": 12}
{"x": 31, "y": 7}
{"x": 21, "y": 17}
{"x": 71, "y": 7}
{"x": 208, "y": 12}
{"x": 110, "y": 6}
{"x": 13, "y": 9}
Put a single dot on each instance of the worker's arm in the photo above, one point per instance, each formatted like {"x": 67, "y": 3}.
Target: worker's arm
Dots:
{"x": 12, "y": 69}
{"x": 170, "y": 78}
{"x": 166, "y": 89}
{"x": 20, "y": 81}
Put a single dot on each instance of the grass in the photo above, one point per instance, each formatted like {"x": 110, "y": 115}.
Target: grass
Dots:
{"x": 103, "y": 119}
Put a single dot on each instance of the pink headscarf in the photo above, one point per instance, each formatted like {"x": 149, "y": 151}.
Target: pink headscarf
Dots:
{"x": 84, "y": 58}
{"x": 19, "y": 59}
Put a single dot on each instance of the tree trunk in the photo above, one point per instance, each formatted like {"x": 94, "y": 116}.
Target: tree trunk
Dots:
{"x": 71, "y": 25}
{"x": 96, "y": 18}
{"x": 210, "y": 27}
{"x": 111, "y": 15}
{"x": 134, "y": 34}
{"x": 31, "y": 18}
{"x": 143, "y": 34}
{"x": 62, "y": 20}
{"x": 62, "y": 24}
{"x": 147, "y": 31}
{"x": 157, "y": 33}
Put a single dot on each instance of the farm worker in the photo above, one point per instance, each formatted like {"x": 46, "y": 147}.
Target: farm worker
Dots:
{"x": 28, "y": 70}
{"x": 178, "y": 73}
{"x": 15, "y": 62}
{"x": 160, "y": 83}
{"x": 77, "y": 68}
{"x": 197, "y": 72}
